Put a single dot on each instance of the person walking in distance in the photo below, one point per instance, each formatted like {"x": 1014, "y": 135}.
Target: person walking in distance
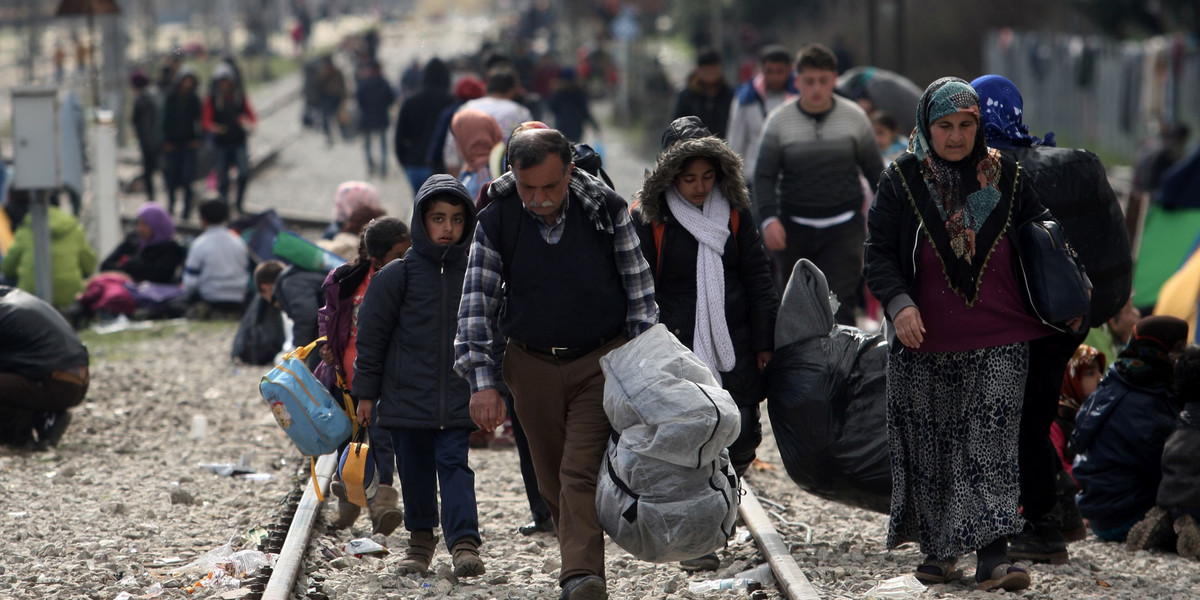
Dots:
{"x": 558, "y": 249}
{"x": 806, "y": 181}
{"x": 181, "y": 123}
{"x": 230, "y": 119}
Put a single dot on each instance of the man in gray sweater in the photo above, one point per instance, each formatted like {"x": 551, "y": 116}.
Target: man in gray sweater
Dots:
{"x": 807, "y": 192}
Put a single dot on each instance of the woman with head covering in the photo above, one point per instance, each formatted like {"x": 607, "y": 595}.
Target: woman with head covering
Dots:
{"x": 150, "y": 253}
{"x": 1121, "y": 429}
{"x": 941, "y": 262}
{"x": 349, "y": 196}
{"x": 345, "y": 243}
{"x": 1081, "y": 378}
{"x": 475, "y": 133}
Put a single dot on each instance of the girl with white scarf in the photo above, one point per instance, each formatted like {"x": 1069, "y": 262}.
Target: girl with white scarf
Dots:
{"x": 712, "y": 277}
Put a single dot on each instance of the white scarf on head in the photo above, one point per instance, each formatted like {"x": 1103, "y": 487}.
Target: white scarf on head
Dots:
{"x": 710, "y": 226}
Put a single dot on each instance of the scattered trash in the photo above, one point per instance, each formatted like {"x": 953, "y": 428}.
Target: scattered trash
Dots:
{"x": 153, "y": 591}
{"x": 123, "y": 596}
{"x": 896, "y": 588}
{"x": 128, "y": 581}
{"x": 359, "y": 547}
{"x": 713, "y": 585}
{"x": 215, "y": 580}
{"x": 121, "y": 323}
{"x": 259, "y": 477}
{"x": 199, "y": 427}
{"x": 762, "y": 574}
{"x": 256, "y": 536}
{"x": 227, "y": 470}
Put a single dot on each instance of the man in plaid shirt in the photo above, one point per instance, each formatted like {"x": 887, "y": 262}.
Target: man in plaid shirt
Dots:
{"x": 556, "y": 261}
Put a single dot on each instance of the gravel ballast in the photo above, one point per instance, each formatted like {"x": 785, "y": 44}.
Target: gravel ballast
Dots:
{"x": 124, "y": 502}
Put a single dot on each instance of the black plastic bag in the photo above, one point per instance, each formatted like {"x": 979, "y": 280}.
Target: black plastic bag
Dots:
{"x": 827, "y": 400}
{"x": 260, "y": 335}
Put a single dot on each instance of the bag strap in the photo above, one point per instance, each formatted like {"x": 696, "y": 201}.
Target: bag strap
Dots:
{"x": 303, "y": 351}
{"x": 312, "y": 468}
{"x": 348, "y": 405}
{"x": 630, "y": 514}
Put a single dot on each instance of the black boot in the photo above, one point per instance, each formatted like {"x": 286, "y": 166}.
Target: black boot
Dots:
{"x": 1041, "y": 541}
{"x": 1070, "y": 522}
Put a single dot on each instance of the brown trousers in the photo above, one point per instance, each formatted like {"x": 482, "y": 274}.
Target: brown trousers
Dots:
{"x": 560, "y": 404}
{"x": 62, "y": 390}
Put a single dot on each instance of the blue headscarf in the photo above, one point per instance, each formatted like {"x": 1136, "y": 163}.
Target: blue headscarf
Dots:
{"x": 1002, "y": 108}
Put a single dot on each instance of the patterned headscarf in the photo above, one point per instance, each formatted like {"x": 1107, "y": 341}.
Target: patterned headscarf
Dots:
{"x": 162, "y": 227}
{"x": 1070, "y": 396}
{"x": 964, "y": 192}
{"x": 1002, "y": 114}
{"x": 351, "y": 195}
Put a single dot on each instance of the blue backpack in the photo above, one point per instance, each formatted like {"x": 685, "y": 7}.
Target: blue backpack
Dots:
{"x": 305, "y": 410}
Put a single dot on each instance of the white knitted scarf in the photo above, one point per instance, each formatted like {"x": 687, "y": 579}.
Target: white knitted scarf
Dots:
{"x": 710, "y": 226}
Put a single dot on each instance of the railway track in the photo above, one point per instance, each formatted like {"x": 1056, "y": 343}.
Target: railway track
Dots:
{"x": 290, "y": 534}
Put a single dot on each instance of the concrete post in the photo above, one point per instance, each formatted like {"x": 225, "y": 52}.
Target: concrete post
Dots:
{"x": 105, "y": 221}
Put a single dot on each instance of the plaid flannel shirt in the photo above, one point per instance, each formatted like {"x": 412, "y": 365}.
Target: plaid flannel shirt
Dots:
{"x": 483, "y": 289}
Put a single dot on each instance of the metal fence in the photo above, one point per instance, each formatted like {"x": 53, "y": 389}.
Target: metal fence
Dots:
{"x": 1096, "y": 93}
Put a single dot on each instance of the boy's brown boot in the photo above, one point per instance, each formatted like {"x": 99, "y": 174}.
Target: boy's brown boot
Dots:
{"x": 421, "y": 545}
{"x": 385, "y": 516}
{"x": 467, "y": 562}
{"x": 347, "y": 513}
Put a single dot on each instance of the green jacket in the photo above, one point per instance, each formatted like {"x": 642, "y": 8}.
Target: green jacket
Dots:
{"x": 71, "y": 257}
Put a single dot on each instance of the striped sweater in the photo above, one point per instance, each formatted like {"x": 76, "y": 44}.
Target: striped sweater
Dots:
{"x": 808, "y": 164}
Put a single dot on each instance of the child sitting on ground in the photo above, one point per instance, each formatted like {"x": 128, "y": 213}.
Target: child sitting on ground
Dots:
{"x": 1121, "y": 429}
{"x": 217, "y": 268}
{"x": 406, "y": 329}
{"x": 1171, "y": 524}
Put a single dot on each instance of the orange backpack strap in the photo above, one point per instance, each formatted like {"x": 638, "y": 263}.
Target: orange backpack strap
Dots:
{"x": 659, "y": 230}
{"x": 734, "y": 219}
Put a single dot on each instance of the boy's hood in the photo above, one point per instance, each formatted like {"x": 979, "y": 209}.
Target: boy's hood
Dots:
{"x": 441, "y": 185}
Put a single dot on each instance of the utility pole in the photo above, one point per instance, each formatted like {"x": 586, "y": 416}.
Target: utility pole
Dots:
{"x": 718, "y": 35}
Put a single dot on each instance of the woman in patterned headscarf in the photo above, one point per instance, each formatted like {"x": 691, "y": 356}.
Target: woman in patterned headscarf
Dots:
{"x": 941, "y": 262}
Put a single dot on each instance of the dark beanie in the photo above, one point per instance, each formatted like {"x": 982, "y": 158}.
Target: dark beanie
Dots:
{"x": 684, "y": 128}
{"x": 1166, "y": 331}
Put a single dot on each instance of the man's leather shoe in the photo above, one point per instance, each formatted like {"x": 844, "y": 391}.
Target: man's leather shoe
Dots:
{"x": 532, "y": 527}
{"x": 584, "y": 587}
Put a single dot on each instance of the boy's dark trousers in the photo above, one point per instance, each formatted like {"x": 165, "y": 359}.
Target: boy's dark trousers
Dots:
{"x": 427, "y": 459}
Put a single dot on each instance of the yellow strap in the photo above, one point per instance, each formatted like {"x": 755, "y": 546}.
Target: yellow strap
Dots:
{"x": 348, "y": 406}
{"x": 303, "y": 351}
{"x": 312, "y": 465}
{"x": 354, "y": 473}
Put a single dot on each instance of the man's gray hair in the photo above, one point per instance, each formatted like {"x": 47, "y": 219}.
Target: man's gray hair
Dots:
{"x": 530, "y": 148}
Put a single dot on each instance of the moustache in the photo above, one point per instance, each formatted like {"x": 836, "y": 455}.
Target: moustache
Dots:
{"x": 545, "y": 204}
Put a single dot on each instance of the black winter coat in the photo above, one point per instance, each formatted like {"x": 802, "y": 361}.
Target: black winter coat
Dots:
{"x": 298, "y": 294}
{"x": 894, "y": 231}
{"x": 419, "y": 116}
{"x": 1118, "y": 443}
{"x": 1180, "y": 486}
{"x": 712, "y": 110}
{"x": 181, "y": 117}
{"x": 159, "y": 263}
{"x": 406, "y": 327}
{"x": 751, "y": 301}
{"x": 1072, "y": 184}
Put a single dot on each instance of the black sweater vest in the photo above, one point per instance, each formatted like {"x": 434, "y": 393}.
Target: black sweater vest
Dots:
{"x": 564, "y": 295}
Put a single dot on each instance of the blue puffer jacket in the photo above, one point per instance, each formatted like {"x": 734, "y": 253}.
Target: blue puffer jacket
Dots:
{"x": 1119, "y": 436}
{"x": 406, "y": 327}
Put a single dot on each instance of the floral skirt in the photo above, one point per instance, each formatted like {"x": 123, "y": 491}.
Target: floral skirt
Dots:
{"x": 953, "y": 424}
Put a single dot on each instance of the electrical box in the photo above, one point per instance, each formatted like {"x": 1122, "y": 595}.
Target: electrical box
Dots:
{"x": 36, "y": 139}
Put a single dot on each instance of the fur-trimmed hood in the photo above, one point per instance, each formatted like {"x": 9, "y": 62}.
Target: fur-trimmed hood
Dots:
{"x": 651, "y": 200}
